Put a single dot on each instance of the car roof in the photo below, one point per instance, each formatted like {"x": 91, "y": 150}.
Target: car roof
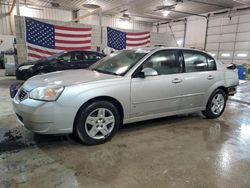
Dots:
{"x": 151, "y": 49}
{"x": 167, "y": 48}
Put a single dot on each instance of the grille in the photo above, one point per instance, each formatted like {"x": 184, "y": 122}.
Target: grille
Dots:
{"x": 22, "y": 94}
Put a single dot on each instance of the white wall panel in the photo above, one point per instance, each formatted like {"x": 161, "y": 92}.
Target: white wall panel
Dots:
{"x": 195, "y": 34}
{"x": 229, "y": 29}
{"x": 244, "y": 27}
{"x": 213, "y": 38}
{"x": 244, "y": 18}
{"x": 214, "y": 30}
{"x": 212, "y": 46}
{"x": 242, "y": 46}
{"x": 178, "y": 27}
{"x": 115, "y": 22}
{"x": 243, "y": 37}
{"x": 175, "y": 30}
{"x": 227, "y": 37}
{"x": 219, "y": 21}
{"x": 8, "y": 41}
{"x": 227, "y": 46}
{"x": 46, "y": 13}
{"x": 4, "y": 21}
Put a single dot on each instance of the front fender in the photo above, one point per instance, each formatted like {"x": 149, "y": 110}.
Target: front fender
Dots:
{"x": 73, "y": 97}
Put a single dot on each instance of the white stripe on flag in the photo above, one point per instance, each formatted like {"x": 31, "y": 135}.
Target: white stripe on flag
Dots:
{"x": 43, "y": 48}
{"x": 72, "y": 32}
{"x": 137, "y": 36}
{"x": 72, "y": 45}
{"x": 137, "y": 41}
{"x": 72, "y": 38}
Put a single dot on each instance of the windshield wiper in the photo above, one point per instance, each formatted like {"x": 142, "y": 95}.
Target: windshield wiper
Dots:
{"x": 105, "y": 72}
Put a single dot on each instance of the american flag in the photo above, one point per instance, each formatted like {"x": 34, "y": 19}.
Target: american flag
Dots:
{"x": 43, "y": 39}
{"x": 123, "y": 40}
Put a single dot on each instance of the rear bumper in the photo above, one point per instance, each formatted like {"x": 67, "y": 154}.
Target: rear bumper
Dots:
{"x": 232, "y": 90}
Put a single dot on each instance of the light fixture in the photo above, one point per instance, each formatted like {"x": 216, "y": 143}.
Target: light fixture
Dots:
{"x": 25, "y": 11}
{"x": 169, "y": 2}
{"x": 179, "y": 42}
{"x": 165, "y": 13}
{"x": 124, "y": 23}
{"x": 225, "y": 55}
{"x": 241, "y": 55}
{"x": 213, "y": 54}
{"x": 91, "y": 7}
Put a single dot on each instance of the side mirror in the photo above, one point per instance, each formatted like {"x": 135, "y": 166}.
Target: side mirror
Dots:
{"x": 149, "y": 72}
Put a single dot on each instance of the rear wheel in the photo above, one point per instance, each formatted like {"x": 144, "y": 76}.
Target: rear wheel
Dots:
{"x": 216, "y": 104}
{"x": 97, "y": 122}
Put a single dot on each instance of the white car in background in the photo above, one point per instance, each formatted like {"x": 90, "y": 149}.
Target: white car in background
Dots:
{"x": 128, "y": 86}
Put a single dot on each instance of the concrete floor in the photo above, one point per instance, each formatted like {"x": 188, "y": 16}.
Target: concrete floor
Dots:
{"x": 180, "y": 151}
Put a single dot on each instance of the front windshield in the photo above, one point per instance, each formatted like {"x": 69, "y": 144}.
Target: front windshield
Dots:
{"x": 55, "y": 55}
{"x": 118, "y": 63}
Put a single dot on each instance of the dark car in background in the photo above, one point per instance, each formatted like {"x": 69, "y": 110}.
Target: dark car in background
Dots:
{"x": 58, "y": 62}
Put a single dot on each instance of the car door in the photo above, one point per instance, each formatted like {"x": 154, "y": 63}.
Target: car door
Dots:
{"x": 65, "y": 61}
{"x": 160, "y": 93}
{"x": 77, "y": 60}
{"x": 91, "y": 58}
{"x": 200, "y": 75}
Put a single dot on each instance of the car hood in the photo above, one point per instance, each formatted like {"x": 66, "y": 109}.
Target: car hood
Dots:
{"x": 65, "y": 78}
{"x": 33, "y": 62}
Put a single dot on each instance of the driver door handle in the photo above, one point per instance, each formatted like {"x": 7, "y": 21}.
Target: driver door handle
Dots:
{"x": 210, "y": 77}
{"x": 176, "y": 80}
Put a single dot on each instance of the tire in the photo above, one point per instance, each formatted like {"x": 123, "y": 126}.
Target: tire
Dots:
{"x": 216, "y": 104}
{"x": 97, "y": 122}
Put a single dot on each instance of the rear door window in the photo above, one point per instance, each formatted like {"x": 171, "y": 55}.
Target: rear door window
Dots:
{"x": 211, "y": 65}
{"x": 198, "y": 62}
{"x": 93, "y": 56}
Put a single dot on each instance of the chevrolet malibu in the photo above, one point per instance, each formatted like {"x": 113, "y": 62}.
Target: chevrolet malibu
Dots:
{"x": 125, "y": 87}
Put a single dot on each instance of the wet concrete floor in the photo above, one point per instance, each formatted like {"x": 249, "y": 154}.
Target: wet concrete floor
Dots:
{"x": 179, "y": 151}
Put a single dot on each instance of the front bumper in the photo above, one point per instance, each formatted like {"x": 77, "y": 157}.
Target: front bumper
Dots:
{"x": 43, "y": 117}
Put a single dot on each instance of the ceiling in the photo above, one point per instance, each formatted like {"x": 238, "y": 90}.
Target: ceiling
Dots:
{"x": 144, "y": 10}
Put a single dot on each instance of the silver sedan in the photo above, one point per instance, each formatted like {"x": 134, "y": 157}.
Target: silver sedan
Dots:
{"x": 125, "y": 87}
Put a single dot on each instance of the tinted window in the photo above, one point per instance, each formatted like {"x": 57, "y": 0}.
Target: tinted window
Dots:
{"x": 77, "y": 56}
{"x": 66, "y": 57}
{"x": 93, "y": 56}
{"x": 195, "y": 62}
{"x": 164, "y": 62}
{"x": 211, "y": 65}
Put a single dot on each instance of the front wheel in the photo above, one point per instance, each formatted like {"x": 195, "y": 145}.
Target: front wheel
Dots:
{"x": 97, "y": 122}
{"x": 216, "y": 104}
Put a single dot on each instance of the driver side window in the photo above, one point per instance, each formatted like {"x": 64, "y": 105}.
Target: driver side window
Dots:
{"x": 164, "y": 62}
{"x": 66, "y": 57}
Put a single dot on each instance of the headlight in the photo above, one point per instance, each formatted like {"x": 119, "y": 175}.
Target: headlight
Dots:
{"x": 49, "y": 93}
{"x": 25, "y": 67}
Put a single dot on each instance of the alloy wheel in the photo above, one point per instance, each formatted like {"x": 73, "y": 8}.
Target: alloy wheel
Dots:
{"x": 218, "y": 103}
{"x": 99, "y": 123}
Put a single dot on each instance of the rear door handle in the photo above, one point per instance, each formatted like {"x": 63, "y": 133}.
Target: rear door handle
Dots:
{"x": 210, "y": 77}
{"x": 176, "y": 80}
